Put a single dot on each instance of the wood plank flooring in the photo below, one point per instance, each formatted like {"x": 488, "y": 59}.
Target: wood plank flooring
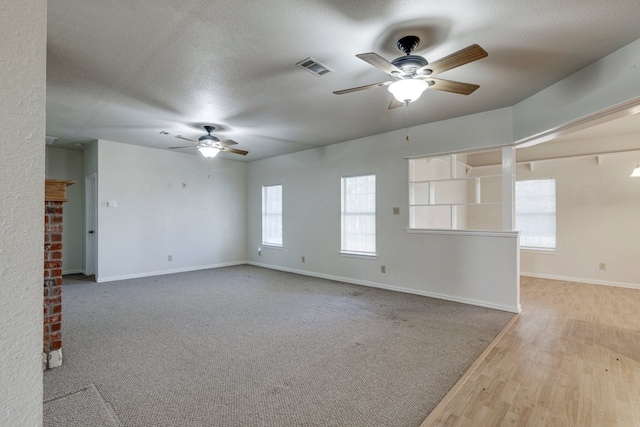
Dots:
{"x": 571, "y": 358}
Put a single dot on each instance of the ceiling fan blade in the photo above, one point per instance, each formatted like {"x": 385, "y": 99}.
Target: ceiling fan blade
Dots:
{"x": 188, "y": 146}
{"x": 451, "y": 86}
{"x": 227, "y": 142}
{"x": 395, "y": 103}
{"x": 380, "y": 63}
{"x": 233, "y": 150}
{"x": 456, "y": 59}
{"x": 356, "y": 89}
{"x": 186, "y": 139}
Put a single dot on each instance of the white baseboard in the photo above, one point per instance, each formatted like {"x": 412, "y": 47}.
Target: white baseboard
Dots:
{"x": 54, "y": 358}
{"x": 581, "y": 280}
{"x": 72, "y": 271}
{"x": 446, "y": 297}
{"x": 163, "y": 272}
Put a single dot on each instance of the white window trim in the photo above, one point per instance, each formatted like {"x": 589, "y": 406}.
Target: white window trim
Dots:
{"x": 540, "y": 249}
{"x": 352, "y": 253}
{"x": 265, "y": 244}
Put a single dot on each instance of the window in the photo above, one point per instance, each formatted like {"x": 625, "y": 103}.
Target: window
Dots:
{"x": 536, "y": 213}
{"x": 359, "y": 215}
{"x": 272, "y": 215}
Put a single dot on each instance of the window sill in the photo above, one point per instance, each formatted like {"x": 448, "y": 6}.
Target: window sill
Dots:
{"x": 358, "y": 255}
{"x": 482, "y": 233}
{"x": 538, "y": 250}
{"x": 271, "y": 246}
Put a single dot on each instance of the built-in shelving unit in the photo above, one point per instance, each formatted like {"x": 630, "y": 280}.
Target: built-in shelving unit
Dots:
{"x": 442, "y": 194}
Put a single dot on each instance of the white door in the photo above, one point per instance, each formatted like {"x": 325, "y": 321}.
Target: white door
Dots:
{"x": 91, "y": 224}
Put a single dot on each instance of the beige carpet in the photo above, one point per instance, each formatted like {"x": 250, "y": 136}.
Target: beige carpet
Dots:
{"x": 84, "y": 407}
{"x": 246, "y": 346}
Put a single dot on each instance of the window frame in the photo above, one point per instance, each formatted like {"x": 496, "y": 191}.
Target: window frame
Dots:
{"x": 346, "y": 248}
{"x": 266, "y": 229}
{"x": 526, "y": 244}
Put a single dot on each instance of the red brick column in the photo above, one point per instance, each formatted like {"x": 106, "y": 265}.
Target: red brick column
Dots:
{"x": 52, "y": 283}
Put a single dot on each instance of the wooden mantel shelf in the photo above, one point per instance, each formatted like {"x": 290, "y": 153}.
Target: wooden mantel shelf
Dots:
{"x": 55, "y": 190}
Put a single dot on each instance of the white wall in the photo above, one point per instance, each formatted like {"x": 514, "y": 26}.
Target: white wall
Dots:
{"x": 612, "y": 80}
{"x": 68, "y": 164}
{"x": 597, "y": 216}
{"x": 476, "y": 269}
{"x": 597, "y": 220}
{"x": 23, "y": 28}
{"x": 167, "y": 203}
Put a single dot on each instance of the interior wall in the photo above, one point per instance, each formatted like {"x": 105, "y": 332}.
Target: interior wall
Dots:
{"x": 597, "y": 220}
{"x": 477, "y": 269}
{"x": 23, "y": 31}
{"x": 610, "y": 81}
{"x": 68, "y": 164}
{"x": 167, "y": 204}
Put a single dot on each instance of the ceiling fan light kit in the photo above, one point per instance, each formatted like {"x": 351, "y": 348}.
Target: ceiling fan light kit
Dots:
{"x": 408, "y": 90}
{"x": 208, "y": 151}
{"x": 636, "y": 172}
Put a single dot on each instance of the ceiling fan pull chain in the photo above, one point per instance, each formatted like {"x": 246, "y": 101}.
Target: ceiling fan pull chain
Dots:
{"x": 407, "y": 137}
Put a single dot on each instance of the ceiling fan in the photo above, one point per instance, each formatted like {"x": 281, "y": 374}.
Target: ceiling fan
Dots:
{"x": 209, "y": 145}
{"x": 412, "y": 74}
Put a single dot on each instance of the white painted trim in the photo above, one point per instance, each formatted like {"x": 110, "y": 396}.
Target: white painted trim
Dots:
{"x": 478, "y": 233}
{"x": 54, "y": 357}
{"x": 453, "y": 298}
{"x": 358, "y": 255}
{"x": 582, "y": 280}
{"x": 172, "y": 271}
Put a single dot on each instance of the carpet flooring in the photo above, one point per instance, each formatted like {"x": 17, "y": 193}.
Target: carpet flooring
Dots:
{"x": 84, "y": 407}
{"x": 247, "y": 346}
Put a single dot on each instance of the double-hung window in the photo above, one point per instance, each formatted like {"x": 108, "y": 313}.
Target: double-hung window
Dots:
{"x": 536, "y": 213}
{"x": 358, "y": 215}
{"x": 272, "y": 215}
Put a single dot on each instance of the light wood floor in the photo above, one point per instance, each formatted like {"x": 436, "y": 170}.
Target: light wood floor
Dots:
{"x": 571, "y": 358}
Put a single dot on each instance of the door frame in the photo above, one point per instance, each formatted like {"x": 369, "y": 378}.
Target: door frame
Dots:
{"x": 91, "y": 225}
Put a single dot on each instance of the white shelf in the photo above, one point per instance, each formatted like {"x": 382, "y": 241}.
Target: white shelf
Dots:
{"x": 468, "y": 178}
{"x": 456, "y": 204}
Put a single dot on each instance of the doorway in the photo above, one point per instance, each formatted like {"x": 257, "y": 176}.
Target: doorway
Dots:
{"x": 91, "y": 225}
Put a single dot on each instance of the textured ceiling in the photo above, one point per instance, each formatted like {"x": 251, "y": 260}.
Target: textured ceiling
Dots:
{"x": 124, "y": 71}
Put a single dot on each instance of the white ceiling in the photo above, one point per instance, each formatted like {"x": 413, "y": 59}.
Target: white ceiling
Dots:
{"x": 126, "y": 70}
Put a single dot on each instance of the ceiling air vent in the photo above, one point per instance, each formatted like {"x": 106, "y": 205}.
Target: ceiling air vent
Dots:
{"x": 314, "y": 67}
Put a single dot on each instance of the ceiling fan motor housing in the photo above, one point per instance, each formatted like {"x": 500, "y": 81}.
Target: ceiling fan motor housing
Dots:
{"x": 206, "y": 139}
{"x": 409, "y": 63}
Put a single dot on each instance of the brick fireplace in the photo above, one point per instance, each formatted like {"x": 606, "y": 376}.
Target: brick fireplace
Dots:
{"x": 55, "y": 196}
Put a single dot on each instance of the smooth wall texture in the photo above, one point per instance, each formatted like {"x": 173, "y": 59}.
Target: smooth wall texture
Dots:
{"x": 610, "y": 81}
{"x": 597, "y": 220}
{"x": 68, "y": 164}
{"x": 475, "y": 269}
{"x": 167, "y": 204}
{"x": 23, "y": 31}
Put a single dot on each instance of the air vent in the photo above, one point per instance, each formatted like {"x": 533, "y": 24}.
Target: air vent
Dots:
{"x": 314, "y": 67}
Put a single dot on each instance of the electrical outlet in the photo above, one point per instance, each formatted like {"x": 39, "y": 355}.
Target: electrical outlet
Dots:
{"x": 603, "y": 266}
{"x": 383, "y": 268}
{"x": 303, "y": 258}
{"x": 396, "y": 211}
{"x": 170, "y": 258}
